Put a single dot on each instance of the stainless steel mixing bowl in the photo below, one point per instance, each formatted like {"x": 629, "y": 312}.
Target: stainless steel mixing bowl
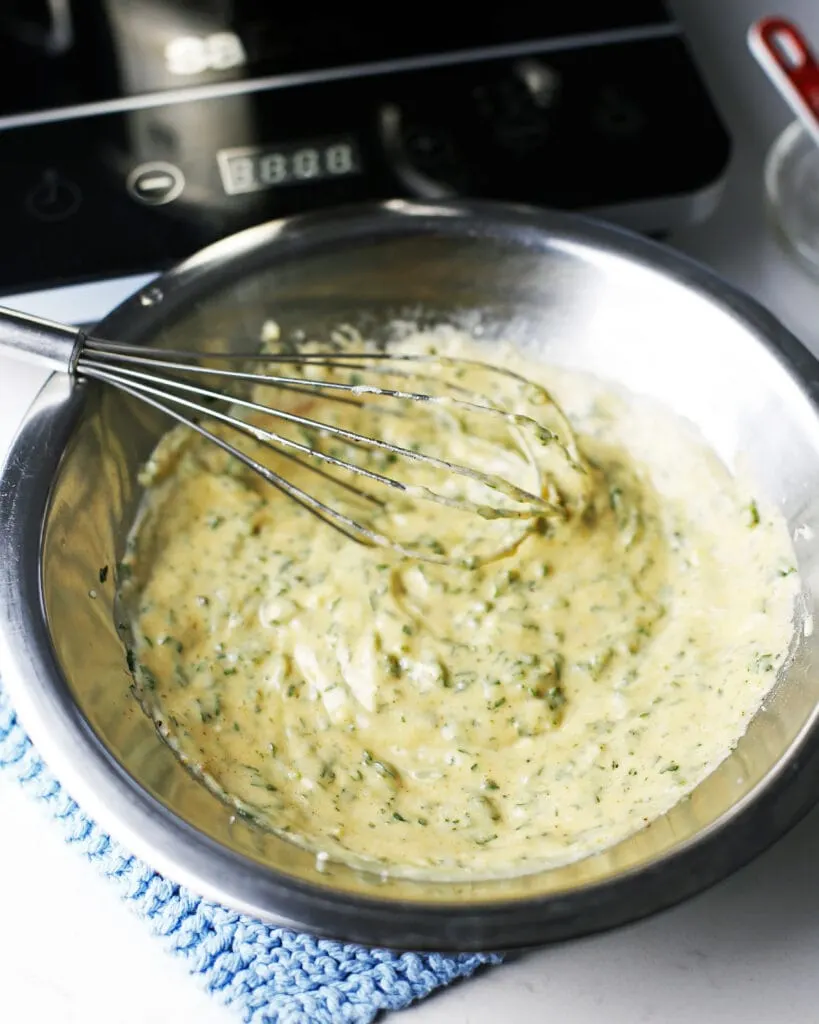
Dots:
{"x": 590, "y": 297}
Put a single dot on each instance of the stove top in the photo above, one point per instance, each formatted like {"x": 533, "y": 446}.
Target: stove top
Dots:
{"x": 132, "y": 132}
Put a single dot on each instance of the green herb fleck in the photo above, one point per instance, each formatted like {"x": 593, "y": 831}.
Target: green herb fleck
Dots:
{"x": 147, "y": 678}
{"x": 598, "y": 663}
{"x": 485, "y": 840}
{"x": 384, "y": 768}
{"x": 763, "y": 663}
{"x": 210, "y": 707}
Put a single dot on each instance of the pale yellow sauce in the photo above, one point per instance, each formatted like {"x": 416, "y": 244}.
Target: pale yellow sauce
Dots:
{"x": 435, "y": 720}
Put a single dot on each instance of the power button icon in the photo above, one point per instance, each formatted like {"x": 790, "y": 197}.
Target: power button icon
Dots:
{"x": 53, "y": 197}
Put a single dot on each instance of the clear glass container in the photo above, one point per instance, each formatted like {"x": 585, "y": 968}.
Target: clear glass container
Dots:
{"x": 792, "y": 192}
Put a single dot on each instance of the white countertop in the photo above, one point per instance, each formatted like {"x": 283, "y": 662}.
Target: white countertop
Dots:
{"x": 747, "y": 951}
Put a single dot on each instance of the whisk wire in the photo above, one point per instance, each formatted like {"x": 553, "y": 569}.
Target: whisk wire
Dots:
{"x": 152, "y": 384}
{"x": 349, "y": 527}
{"x": 272, "y": 439}
{"x": 174, "y": 359}
{"x": 175, "y": 383}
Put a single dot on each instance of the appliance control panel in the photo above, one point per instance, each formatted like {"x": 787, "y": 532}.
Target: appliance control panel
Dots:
{"x": 583, "y": 128}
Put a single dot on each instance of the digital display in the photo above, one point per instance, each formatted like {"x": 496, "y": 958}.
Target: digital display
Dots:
{"x": 258, "y": 168}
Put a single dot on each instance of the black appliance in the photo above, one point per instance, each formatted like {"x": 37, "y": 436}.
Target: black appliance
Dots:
{"x": 132, "y": 132}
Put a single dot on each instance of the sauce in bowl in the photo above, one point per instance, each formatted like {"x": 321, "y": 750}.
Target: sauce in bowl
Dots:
{"x": 431, "y": 720}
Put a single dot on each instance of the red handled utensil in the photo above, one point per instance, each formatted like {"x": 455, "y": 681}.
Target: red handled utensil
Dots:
{"x": 784, "y": 54}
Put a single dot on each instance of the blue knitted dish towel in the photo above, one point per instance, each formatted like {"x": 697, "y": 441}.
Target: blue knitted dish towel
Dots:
{"x": 271, "y": 975}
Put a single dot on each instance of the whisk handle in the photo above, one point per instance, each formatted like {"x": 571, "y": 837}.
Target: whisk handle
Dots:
{"x": 42, "y": 342}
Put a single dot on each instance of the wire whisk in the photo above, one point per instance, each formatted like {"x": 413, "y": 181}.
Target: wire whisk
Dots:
{"x": 328, "y": 402}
